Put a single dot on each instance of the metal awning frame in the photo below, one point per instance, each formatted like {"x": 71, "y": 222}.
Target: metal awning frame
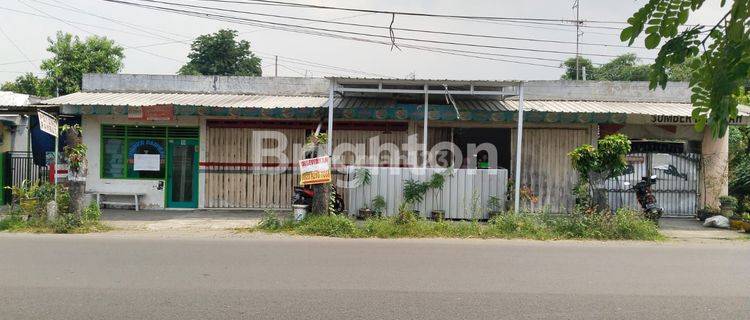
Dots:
{"x": 517, "y": 90}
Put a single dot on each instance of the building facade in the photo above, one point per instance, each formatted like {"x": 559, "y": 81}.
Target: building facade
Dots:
{"x": 212, "y": 142}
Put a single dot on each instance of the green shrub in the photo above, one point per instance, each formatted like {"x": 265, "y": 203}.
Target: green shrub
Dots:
{"x": 328, "y": 225}
{"x": 92, "y": 212}
{"x": 419, "y": 228}
{"x": 270, "y": 222}
{"x": 513, "y": 225}
{"x": 11, "y": 223}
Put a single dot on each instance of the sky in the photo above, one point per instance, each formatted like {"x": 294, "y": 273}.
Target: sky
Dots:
{"x": 158, "y": 42}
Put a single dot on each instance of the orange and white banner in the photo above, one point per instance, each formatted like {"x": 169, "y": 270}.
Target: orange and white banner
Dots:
{"x": 315, "y": 170}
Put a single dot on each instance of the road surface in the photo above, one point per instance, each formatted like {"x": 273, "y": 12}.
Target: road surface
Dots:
{"x": 156, "y": 277}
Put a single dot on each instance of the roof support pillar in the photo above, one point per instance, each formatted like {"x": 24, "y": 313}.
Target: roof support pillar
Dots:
{"x": 329, "y": 132}
{"x": 519, "y": 147}
{"x": 424, "y": 125}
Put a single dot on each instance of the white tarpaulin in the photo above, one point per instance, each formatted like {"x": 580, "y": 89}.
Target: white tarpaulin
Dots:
{"x": 146, "y": 162}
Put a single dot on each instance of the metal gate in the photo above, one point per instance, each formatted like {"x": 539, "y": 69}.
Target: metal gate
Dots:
{"x": 676, "y": 189}
{"x": 17, "y": 167}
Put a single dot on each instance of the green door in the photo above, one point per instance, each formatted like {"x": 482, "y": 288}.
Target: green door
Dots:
{"x": 182, "y": 173}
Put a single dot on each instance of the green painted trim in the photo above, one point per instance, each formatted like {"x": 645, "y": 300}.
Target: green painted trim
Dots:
{"x": 168, "y": 189}
{"x": 399, "y": 112}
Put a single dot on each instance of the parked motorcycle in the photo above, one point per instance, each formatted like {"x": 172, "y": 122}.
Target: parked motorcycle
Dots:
{"x": 303, "y": 195}
{"x": 646, "y": 198}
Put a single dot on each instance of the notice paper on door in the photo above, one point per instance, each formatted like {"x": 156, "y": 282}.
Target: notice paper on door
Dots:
{"x": 146, "y": 162}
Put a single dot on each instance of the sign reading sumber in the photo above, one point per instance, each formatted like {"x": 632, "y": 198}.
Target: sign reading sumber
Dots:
{"x": 315, "y": 170}
{"x": 47, "y": 123}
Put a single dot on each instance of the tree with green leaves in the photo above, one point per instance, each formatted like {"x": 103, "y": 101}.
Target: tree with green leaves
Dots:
{"x": 71, "y": 58}
{"x": 221, "y": 54}
{"x": 597, "y": 164}
{"x": 29, "y": 84}
{"x": 722, "y": 51}
{"x": 625, "y": 67}
{"x": 570, "y": 69}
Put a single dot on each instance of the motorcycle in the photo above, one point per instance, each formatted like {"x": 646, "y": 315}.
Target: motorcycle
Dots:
{"x": 646, "y": 198}
{"x": 303, "y": 195}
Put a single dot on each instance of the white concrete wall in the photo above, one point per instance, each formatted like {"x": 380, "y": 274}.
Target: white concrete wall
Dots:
{"x": 91, "y": 125}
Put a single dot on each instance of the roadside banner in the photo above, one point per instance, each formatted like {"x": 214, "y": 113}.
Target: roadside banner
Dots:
{"x": 47, "y": 123}
{"x": 315, "y": 170}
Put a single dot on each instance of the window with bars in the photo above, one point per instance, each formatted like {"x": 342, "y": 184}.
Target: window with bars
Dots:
{"x": 120, "y": 144}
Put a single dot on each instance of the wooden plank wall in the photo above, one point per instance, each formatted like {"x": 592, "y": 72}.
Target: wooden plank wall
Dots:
{"x": 238, "y": 185}
{"x": 546, "y": 167}
{"x": 456, "y": 198}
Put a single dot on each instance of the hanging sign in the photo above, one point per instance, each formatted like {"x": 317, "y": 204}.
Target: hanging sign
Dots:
{"x": 315, "y": 171}
{"x": 47, "y": 123}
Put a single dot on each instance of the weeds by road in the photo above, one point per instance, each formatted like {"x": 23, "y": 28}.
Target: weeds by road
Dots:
{"x": 626, "y": 225}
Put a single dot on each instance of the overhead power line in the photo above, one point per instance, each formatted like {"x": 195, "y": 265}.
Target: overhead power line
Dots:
{"x": 328, "y": 32}
{"x": 403, "y": 13}
{"x": 350, "y": 24}
{"x": 84, "y": 30}
{"x": 455, "y": 52}
{"x": 17, "y": 47}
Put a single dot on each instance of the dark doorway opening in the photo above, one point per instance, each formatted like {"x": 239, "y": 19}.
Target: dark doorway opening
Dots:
{"x": 498, "y": 137}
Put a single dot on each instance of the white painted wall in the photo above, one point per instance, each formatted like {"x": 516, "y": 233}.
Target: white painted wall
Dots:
{"x": 91, "y": 125}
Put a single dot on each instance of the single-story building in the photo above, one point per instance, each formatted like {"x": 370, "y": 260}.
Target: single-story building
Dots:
{"x": 208, "y": 141}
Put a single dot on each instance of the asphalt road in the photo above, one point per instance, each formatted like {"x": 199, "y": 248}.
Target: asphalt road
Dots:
{"x": 134, "y": 277}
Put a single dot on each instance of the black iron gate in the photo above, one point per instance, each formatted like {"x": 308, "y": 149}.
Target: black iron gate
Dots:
{"x": 17, "y": 167}
{"x": 676, "y": 189}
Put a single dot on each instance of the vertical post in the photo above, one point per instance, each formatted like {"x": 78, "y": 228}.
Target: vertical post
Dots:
{"x": 577, "y": 6}
{"x": 330, "y": 119}
{"x": 424, "y": 129}
{"x": 54, "y": 166}
{"x": 276, "y": 66}
{"x": 519, "y": 147}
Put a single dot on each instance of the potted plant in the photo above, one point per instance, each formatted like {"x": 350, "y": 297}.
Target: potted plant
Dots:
{"x": 436, "y": 184}
{"x": 414, "y": 192}
{"x": 378, "y": 205}
{"x": 728, "y": 205}
{"x": 495, "y": 204}
{"x": 363, "y": 177}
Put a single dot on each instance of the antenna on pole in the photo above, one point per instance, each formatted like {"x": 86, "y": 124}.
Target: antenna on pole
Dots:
{"x": 577, "y": 6}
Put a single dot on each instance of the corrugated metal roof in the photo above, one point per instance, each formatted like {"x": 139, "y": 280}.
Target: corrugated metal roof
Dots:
{"x": 563, "y": 106}
{"x": 12, "y": 99}
{"x": 188, "y": 99}
{"x": 281, "y": 102}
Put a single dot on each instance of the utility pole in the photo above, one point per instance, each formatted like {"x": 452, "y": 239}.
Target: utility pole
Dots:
{"x": 576, "y": 6}
{"x": 276, "y": 66}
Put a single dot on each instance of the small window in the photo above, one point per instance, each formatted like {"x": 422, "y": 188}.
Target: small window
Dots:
{"x": 113, "y": 164}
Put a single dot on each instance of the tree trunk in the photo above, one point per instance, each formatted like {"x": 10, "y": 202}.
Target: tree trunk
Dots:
{"x": 76, "y": 177}
{"x": 77, "y": 192}
{"x": 320, "y": 199}
{"x": 321, "y": 191}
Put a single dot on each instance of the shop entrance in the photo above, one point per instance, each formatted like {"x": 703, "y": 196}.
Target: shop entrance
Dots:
{"x": 182, "y": 173}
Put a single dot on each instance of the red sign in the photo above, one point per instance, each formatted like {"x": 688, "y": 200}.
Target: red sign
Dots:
{"x": 160, "y": 112}
{"x": 163, "y": 112}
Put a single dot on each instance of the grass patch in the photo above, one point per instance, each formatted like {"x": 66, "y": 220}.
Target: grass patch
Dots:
{"x": 625, "y": 225}
{"x": 88, "y": 223}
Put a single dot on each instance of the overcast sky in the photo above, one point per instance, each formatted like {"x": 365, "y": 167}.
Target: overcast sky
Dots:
{"x": 158, "y": 42}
